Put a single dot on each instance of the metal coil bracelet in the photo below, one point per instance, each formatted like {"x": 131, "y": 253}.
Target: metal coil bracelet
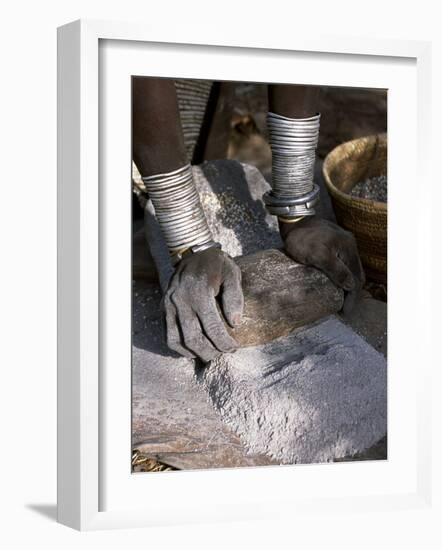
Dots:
{"x": 179, "y": 212}
{"x": 293, "y": 142}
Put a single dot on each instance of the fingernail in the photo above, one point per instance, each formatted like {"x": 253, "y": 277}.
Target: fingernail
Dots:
{"x": 236, "y": 319}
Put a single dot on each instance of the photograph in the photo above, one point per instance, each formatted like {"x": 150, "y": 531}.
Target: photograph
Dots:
{"x": 259, "y": 274}
{"x": 221, "y": 285}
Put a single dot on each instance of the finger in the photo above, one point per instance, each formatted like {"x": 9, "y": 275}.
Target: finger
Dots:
{"x": 232, "y": 298}
{"x": 214, "y": 326}
{"x": 353, "y": 261}
{"x": 193, "y": 337}
{"x": 353, "y": 296}
{"x": 335, "y": 269}
{"x": 350, "y": 300}
{"x": 173, "y": 336}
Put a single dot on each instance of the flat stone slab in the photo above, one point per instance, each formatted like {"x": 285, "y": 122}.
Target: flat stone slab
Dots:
{"x": 369, "y": 320}
{"x": 316, "y": 395}
{"x": 173, "y": 420}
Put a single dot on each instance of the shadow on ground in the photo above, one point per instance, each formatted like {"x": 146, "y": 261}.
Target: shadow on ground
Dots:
{"x": 49, "y": 511}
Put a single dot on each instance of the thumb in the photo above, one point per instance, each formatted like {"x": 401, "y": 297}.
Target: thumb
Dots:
{"x": 232, "y": 297}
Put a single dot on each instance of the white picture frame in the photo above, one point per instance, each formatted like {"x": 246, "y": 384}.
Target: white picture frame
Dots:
{"x": 96, "y": 492}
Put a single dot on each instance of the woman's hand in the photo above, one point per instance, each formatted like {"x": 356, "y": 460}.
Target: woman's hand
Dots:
{"x": 322, "y": 244}
{"x": 195, "y": 327}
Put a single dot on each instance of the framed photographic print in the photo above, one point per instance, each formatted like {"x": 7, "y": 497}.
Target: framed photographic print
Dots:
{"x": 224, "y": 282}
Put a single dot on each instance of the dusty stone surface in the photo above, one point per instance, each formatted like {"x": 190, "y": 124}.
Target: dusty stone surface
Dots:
{"x": 316, "y": 395}
{"x": 173, "y": 420}
{"x": 280, "y": 295}
{"x": 231, "y": 196}
{"x": 369, "y": 320}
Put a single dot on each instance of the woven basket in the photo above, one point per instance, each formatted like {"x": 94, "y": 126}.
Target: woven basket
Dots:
{"x": 346, "y": 165}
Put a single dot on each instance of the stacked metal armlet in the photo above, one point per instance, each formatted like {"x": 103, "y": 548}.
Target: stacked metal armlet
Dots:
{"x": 179, "y": 212}
{"x": 293, "y": 142}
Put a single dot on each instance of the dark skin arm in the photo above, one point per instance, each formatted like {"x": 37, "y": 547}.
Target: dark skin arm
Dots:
{"x": 314, "y": 241}
{"x": 158, "y": 145}
{"x": 293, "y": 101}
{"x": 195, "y": 327}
